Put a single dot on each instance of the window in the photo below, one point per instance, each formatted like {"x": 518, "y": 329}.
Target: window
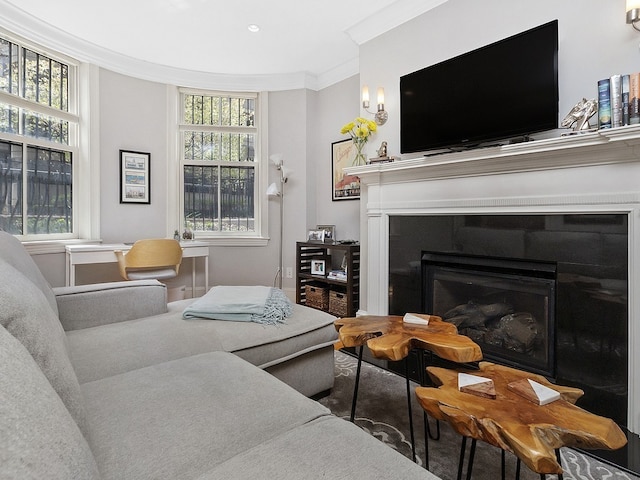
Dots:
{"x": 38, "y": 142}
{"x": 220, "y": 162}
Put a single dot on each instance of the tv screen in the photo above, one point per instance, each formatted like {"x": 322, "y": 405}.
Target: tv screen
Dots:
{"x": 505, "y": 90}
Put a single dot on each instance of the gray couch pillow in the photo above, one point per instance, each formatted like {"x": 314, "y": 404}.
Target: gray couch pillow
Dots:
{"x": 38, "y": 437}
{"x": 13, "y": 253}
{"x": 25, "y": 313}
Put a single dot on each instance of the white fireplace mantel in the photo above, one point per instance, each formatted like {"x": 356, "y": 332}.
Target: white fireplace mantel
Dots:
{"x": 597, "y": 172}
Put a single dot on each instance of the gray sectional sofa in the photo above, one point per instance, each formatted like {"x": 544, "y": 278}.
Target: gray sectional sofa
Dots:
{"x": 109, "y": 382}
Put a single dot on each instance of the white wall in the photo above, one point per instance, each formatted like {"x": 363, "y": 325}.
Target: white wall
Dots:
{"x": 133, "y": 116}
{"x": 336, "y": 105}
{"x": 594, "y": 43}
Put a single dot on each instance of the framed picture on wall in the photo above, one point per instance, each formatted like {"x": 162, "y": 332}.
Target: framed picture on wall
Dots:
{"x": 343, "y": 187}
{"x": 135, "y": 177}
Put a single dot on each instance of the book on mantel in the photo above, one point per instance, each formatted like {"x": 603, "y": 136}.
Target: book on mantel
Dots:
{"x": 604, "y": 103}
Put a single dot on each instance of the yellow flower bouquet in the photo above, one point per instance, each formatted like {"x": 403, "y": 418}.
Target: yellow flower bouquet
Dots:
{"x": 359, "y": 130}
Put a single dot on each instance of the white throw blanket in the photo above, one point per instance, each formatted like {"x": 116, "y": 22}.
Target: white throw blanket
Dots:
{"x": 259, "y": 304}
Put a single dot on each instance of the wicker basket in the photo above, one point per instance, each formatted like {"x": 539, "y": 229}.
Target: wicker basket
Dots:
{"x": 338, "y": 303}
{"x": 316, "y": 297}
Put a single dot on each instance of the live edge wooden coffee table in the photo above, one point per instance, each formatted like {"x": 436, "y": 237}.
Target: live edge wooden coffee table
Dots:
{"x": 389, "y": 338}
{"x": 534, "y": 433}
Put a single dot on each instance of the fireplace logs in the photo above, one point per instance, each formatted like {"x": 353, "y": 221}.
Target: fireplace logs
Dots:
{"x": 496, "y": 324}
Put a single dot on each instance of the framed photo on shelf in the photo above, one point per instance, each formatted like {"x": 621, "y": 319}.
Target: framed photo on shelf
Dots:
{"x": 343, "y": 187}
{"x": 318, "y": 267}
{"x": 329, "y": 232}
{"x": 315, "y": 236}
{"x": 135, "y": 177}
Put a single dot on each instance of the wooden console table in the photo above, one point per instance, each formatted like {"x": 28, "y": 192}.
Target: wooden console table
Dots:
{"x": 532, "y": 432}
{"x": 389, "y": 338}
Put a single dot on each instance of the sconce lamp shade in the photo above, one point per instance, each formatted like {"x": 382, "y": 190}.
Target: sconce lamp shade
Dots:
{"x": 633, "y": 12}
{"x": 365, "y": 96}
{"x": 272, "y": 190}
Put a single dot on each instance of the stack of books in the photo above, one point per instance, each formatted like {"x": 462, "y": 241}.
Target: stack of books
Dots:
{"x": 338, "y": 275}
{"x": 619, "y": 101}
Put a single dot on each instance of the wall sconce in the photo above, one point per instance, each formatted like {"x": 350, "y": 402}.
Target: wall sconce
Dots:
{"x": 633, "y": 13}
{"x": 381, "y": 115}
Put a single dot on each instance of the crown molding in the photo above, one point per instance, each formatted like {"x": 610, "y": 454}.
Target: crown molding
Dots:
{"x": 390, "y": 17}
{"x": 337, "y": 74}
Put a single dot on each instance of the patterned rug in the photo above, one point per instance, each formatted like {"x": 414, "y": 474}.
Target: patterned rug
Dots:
{"x": 382, "y": 412}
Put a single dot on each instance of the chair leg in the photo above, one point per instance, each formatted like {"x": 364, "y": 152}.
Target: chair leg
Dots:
{"x": 355, "y": 388}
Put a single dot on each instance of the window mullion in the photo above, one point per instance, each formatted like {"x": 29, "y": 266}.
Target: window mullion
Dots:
{"x": 219, "y": 195}
{"x": 25, "y": 185}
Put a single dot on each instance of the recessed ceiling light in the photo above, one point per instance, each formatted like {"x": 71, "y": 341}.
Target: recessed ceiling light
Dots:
{"x": 253, "y": 28}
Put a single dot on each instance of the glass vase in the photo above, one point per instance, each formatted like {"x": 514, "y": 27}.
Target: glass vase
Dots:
{"x": 360, "y": 158}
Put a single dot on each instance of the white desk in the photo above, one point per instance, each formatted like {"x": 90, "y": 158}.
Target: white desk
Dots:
{"x": 104, "y": 253}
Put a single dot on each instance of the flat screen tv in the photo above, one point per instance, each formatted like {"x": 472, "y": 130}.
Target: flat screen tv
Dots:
{"x": 505, "y": 90}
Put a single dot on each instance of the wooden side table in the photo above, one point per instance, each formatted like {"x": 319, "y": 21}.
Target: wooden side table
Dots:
{"x": 389, "y": 338}
{"x": 534, "y": 433}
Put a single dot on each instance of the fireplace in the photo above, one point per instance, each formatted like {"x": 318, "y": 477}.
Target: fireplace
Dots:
{"x": 505, "y": 306}
{"x": 568, "y": 272}
{"x": 574, "y": 183}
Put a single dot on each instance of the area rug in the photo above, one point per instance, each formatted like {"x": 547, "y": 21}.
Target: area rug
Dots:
{"x": 382, "y": 411}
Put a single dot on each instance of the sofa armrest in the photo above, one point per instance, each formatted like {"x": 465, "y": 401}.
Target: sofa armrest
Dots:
{"x": 86, "y": 306}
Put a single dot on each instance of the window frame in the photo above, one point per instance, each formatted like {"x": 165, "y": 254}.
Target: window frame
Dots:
{"x": 259, "y": 236}
{"x": 72, "y": 115}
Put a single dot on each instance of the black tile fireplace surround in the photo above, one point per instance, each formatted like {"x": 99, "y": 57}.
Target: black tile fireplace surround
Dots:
{"x": 589, "y": 252}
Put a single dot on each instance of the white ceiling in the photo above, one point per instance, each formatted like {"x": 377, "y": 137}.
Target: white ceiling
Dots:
{"x": 310, "y": 41}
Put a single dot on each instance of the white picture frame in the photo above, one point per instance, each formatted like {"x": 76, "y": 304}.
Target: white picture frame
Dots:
{"x": 316, "y": 236}
{"x": 329, "y": 232}
{"x": 318, "y": 267}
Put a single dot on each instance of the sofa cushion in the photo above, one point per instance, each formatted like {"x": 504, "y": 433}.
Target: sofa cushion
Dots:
{"x": 13, "y": 253}
{"x": 306, "y": 329}
{"x": 111, "y": 349}
{"x": 26, "y": 314}
{"x": 180, "y": 419}
{"x": 107, "y": 350}
{"x": 38, "y": 437}
{"x": 327, "y": 447}
{"x": 85, "y": 306}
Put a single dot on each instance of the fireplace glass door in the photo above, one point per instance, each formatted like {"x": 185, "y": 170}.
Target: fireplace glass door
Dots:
{"x": 506, "y": 307}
